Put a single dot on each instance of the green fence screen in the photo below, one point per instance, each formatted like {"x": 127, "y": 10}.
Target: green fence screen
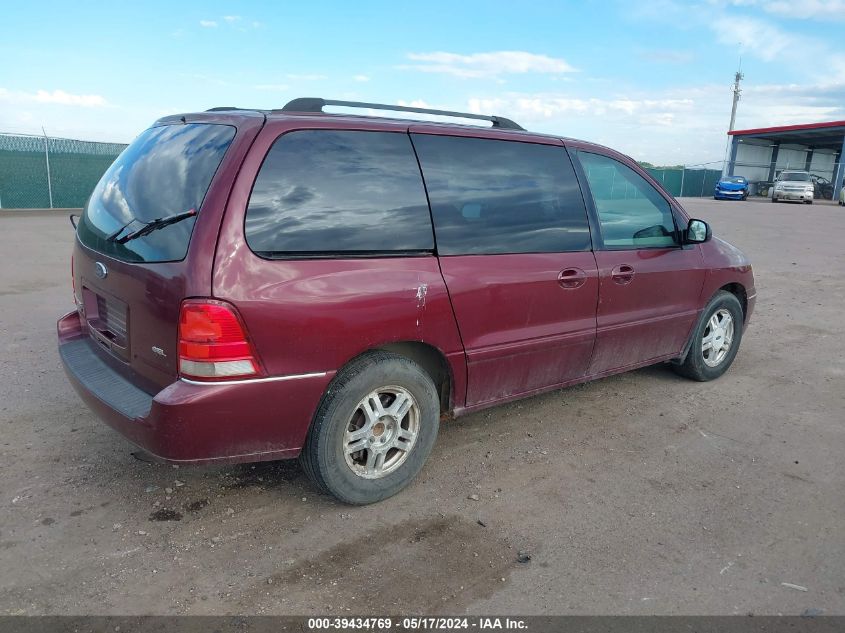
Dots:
{"x": 76, "y": 166}
{"x": 687, "y": 182}
{"x": 74, "y": 169}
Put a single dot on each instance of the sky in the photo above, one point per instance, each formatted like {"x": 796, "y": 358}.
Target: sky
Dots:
{"x": 650, "y": 78}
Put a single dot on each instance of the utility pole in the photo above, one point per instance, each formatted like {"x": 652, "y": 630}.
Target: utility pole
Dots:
{"x": 738, "y": 76}
{"x": 737, "y": 91}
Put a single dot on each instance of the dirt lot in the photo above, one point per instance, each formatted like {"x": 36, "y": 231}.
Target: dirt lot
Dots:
{"x": 642, "y": 493}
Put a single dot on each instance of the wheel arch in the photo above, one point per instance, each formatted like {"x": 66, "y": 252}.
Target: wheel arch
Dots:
{"x": 737, "y": 290}
{"x": 734, "y": 288}
{"x": 432, "y": 360}
{"x": 429, "y": 357}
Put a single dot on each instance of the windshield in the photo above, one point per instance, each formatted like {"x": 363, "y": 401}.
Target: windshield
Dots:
{"x": 737, "y": 180}
{"x": 795, "y": 175}
{"x": 166, "y": 171}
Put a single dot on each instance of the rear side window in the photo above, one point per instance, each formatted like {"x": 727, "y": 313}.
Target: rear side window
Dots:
{"x": 632, "y": 213}
{"x": 329, "y": 192}
{"x": 164, "y": 173}
{"x": 490, "y": 196}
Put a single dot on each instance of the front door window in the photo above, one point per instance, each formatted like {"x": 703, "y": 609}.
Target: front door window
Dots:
{"x": 632, "y": 214}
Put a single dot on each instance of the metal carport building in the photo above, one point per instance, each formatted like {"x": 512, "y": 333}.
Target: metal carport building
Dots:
{"x": 760, "y": 154}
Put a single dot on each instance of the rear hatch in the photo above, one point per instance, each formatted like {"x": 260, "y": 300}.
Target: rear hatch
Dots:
{"x": 134, "y": 261}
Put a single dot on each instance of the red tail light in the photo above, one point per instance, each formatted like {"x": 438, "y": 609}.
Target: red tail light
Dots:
{"x": 213, "y": 344}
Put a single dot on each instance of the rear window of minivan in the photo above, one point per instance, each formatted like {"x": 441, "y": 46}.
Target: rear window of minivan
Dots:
{"x": 164, "y": 172}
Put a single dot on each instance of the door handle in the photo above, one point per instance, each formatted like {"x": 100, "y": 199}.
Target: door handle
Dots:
{"x": 622, "y": 274}
{"x": 572, "y": 278}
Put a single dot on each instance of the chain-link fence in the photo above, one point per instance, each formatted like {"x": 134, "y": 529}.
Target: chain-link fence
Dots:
{"x": 40, "y": 172}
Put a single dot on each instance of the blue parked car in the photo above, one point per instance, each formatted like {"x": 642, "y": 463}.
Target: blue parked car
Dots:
{"x": 731, "y": 188}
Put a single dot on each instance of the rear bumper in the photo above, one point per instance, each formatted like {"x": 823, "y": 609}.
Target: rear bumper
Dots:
{"x": 187, "y": 422}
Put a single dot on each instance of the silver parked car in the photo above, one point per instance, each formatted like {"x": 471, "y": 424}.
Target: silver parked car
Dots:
{"x": 793, "y": 185}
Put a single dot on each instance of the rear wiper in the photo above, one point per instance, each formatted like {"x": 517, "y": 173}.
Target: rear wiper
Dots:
{"x": 149, "y": 227}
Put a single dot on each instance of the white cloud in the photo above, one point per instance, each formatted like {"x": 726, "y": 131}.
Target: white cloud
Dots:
{"x": 796, "y": 9}
{"x": 236, "y": 22}
{"x": 811, "y": 9}
{"x": 549, "y": 106}
{"x": 492, "y": 64}
{"x": 66, "y": 98}
{"x": 758, "y": 37}
{"x": 59, "y": 97}
{"x": 771, "y": 43}
{"x": 361, "y": 78}
{"x": 417, "y": 103}
{"x": 670, "y": 126}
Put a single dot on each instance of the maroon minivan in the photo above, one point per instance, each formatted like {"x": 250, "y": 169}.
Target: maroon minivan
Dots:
{"x": 258, "y": 285}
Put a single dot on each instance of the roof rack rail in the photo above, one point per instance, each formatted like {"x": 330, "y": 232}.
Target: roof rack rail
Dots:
{"x": 224, "y": 108}
{"x": 316, "y": 104}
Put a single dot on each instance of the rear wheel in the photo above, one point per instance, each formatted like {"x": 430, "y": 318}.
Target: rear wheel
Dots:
{"x": 715, "y": 340}
{"x": 774, "y": 199}
{"x": 374, "y": 429}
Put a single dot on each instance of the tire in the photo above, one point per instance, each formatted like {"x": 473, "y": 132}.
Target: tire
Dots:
{"x": 703, "y": 365}
{"x": 349, "y": 415}
{"x": 774, "y": 199}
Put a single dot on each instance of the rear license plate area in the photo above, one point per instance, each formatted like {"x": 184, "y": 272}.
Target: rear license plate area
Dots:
{"x": 108, "y": 321}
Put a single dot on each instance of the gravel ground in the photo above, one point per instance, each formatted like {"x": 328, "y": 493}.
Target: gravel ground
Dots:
{"x": 638, "y": 494}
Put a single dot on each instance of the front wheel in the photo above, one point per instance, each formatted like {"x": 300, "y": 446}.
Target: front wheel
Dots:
{"x": 715, "y": 340}
{"x": 374, "y": 429}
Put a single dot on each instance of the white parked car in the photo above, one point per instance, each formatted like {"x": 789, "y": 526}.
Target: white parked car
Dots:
{"x": 793, "y": 185}
{"x": 842, "y": 197}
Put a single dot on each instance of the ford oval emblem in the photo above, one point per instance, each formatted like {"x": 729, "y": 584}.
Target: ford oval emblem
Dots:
{"x": 100, "y": 270}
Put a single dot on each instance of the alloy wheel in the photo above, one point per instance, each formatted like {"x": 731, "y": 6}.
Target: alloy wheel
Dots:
{"x": 382, "y": 432}
{"x": 718, "y": 337}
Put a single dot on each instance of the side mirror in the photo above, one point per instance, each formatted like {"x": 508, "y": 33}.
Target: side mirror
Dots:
{"x": 698, "y": 232}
